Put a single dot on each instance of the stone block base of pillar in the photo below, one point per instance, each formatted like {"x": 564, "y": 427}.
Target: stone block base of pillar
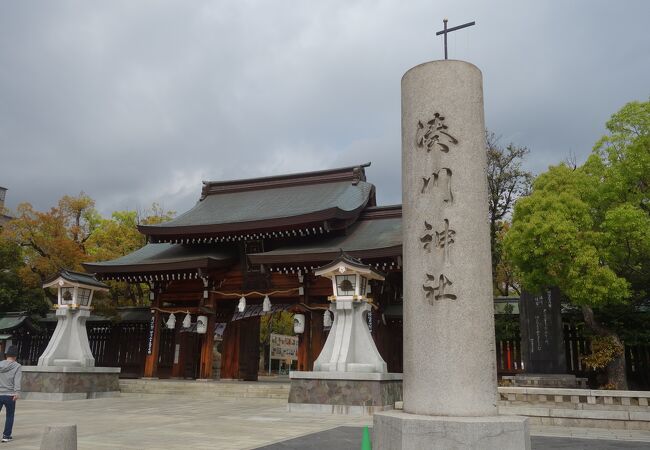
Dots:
{"x": 347, "y": 393}
{"x": 69, "y": 383}
{"x": 397, "y": 430}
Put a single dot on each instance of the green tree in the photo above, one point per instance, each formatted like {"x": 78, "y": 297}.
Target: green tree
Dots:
{"x": 119, "y": 236}
{"x": 277, "y": 323}
{"x": 587, "y": 231}
{"x": 14, "y": 296}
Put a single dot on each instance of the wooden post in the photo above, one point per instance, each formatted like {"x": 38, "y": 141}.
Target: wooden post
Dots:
{"x": 205, "y": 368}
{"x": 305, "y": 360}
{"x": 153, "y": 342}
{"x": 230, "y": 354}
{"x": 317, "y": 336}
{"x": 177, "y": 365}
{"x": 249, "y": 348}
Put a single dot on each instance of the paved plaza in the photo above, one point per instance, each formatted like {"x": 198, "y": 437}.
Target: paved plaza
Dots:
{"x": 151, "y": 421}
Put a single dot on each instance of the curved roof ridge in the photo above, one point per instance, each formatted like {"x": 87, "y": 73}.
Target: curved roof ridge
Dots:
{"x": 381, "y": 212}
{"x": 354, "y": 174}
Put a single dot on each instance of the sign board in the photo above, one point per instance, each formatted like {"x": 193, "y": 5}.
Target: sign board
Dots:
{"x": 284, "y": 347}
{"x": 152, "y": 329}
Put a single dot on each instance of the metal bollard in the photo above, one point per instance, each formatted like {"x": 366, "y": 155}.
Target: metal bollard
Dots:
{"x": 59, "y": 437}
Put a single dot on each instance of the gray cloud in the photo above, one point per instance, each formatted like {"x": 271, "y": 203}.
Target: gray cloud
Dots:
{"x": 135, "y": 102}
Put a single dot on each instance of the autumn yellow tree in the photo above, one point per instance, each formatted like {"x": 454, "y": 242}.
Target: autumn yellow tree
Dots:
{"x": 74, "y": 232}
{"x": 52, "y": 240}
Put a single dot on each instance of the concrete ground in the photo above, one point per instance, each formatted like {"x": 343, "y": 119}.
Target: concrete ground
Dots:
{"x": 178, "y": 422}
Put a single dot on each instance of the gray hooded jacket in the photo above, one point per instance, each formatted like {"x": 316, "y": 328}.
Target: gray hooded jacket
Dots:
{"x": 10, "y": 377}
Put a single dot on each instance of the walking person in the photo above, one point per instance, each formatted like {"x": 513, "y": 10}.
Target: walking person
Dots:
{"x": 10, "y": 377}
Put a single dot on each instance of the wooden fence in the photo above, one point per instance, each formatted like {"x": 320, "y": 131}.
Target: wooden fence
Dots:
{"x": 509, "y": 359}
{"x": 637, "y": 361}
{"x": 120, "y": 345}
{"x": 124, "y": 345}
{"x": 113, "y": 345}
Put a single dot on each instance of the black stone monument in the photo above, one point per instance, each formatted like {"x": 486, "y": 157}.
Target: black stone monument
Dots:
{"x": 542, "y": 336}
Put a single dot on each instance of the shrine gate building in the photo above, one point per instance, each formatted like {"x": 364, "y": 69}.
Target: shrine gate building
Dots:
{"x": 255, "y": 238}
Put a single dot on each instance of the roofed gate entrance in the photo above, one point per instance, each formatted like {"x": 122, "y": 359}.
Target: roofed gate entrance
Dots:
{"x": 250, "y": 239}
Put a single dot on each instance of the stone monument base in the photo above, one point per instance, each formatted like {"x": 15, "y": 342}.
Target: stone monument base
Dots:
{"x": 69, "y": 383}
{"x": 548, "y": 380}
{"x": 353, "y": 393}
{"x": 397, "y": 430}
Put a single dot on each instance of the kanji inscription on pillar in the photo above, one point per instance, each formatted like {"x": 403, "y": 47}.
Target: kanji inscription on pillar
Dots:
{"x": 440, "y": 179}
{"x": 434, "y": 134}
{"x": 440, "y": 288}
{"x": 427, "y": 237}
{"x": 442, "y": 239}
{"x": 445, "y": 239}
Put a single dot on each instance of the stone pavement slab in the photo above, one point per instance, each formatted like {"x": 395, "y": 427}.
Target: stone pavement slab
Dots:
{"x": 169, "y": 421}
{"x": 349, "y": 438}
{"x": 179, "y": 422}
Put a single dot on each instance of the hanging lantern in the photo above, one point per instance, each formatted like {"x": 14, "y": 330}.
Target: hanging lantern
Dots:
{"x": 171, "y": 322}
{"x": 266, "y": 304}
{"x": 242, "y": 304}
{"x": 202, "y": 324}
{"x": 327, "y": 319}
{"x": 187, "y": 321}
{"x": 298, "y": 323}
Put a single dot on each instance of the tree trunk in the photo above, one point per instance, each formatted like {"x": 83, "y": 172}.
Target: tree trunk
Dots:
{"x": 615, "y": 370}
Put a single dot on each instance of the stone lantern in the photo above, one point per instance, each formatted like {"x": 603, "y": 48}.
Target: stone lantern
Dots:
{"x": 349, "y": 346}
{"x": 349, "y": 375}
{"x": 69, "y": 343}
{"x": 66, "y": 369}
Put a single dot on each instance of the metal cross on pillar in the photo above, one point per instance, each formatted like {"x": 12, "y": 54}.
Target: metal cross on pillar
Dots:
{"x": 449, "y": 30}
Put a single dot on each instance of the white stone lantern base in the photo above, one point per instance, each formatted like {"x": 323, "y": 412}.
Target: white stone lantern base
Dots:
{"x": 349, "y": 346}
{"x": 69, "y": 345}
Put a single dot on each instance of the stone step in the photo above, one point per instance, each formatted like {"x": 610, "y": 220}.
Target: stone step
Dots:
{"x": 231, "y": 389}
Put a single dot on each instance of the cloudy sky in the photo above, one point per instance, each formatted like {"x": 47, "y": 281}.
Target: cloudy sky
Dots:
{"x": 136, "y": 101}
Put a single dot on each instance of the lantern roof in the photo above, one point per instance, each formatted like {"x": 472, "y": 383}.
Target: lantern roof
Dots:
{"x": 78, "y": 279}
{"x": 344, "y": 262}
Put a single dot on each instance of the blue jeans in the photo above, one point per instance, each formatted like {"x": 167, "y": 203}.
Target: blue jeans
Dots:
{"x": 8, "y": 402}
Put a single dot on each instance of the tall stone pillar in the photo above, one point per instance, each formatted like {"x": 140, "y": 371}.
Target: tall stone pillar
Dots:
{"x": 449, "y": 350}
{"x": 450, "y": 385}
